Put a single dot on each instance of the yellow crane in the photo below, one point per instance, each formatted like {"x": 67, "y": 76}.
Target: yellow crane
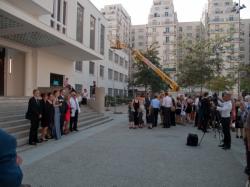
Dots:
{"x": 137, "y": 55}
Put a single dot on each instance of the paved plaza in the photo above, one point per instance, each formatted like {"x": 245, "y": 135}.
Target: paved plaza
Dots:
{"x": 111, "y": 155}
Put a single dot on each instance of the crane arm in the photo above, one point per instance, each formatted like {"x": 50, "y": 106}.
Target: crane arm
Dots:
{"x": 172, "y": 84}
{"x": 137, "y": 54}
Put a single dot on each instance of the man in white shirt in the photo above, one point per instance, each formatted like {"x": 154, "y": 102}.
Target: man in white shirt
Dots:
{"x": 167, "y": 103}
{"x": 75, "y": 110}
{"x": 225, "y": 109}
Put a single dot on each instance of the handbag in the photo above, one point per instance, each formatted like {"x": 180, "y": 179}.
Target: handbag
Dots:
{"x": 172, "y": 108}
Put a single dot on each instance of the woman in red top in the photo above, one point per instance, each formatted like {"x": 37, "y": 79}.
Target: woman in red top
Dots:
{"x": 67, "y": 116}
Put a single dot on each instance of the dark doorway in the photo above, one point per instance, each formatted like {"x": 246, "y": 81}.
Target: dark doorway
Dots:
{"x": 2, "y": 56}
{"x": 56, "y": 80}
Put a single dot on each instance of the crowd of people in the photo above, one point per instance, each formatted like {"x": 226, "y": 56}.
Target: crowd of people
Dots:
{"x": 172, "y": 110}
{"x": 56, "y": 113}
{"x": 203, "y": 111}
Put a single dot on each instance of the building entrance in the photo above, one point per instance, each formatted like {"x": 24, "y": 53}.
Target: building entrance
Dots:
{"x": 2, "y": 56}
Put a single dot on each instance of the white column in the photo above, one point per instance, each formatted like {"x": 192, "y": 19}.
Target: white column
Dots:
{"x": 28, "y": 84}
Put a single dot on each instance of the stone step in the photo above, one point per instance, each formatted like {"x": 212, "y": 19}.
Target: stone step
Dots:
{"x": 20, "y": 124}
{"x": 12, "y": 123}
{"x": 81, "y": 125}
{"x": 11, "y": 117}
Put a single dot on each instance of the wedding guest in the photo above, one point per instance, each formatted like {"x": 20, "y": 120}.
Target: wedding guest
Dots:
{"x": 136, "y": 106}
{"x": 131, "y": 116}
{"x": 50, "y": 115}
{"x": 75, "y": 110}
{"x": 155, "y": 107}
{"x": 85, "y": 96}
{"x": 45, "y": 116}
{"x": 63, "y": 109}
{"x": 67, "y": 116}
{"x": 35, "y": 114}
{"x": 57, "y": 115}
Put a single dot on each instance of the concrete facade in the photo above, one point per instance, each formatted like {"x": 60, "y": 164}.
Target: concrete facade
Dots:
{"x": 41, "y": 42}
{"x": 162, "y": 29}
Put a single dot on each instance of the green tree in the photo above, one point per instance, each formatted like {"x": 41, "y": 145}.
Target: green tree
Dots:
{"x": 145, "y": 76}
{"x": 245, "y": 78}
{"x": 201, "y": 63}
{"x": 221, "y": 83}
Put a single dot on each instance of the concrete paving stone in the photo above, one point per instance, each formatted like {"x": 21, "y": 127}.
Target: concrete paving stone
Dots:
{"x": 111, "y": 155}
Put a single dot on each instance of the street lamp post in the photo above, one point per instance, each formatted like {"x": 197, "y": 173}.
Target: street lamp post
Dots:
{"x": 237, "y": 8}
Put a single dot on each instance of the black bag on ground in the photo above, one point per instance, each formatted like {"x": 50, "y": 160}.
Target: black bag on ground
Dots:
{"x": 192, "y": 140}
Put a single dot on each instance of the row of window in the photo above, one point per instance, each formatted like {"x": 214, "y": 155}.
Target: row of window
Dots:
{"x": 111, "y": 74}
{"x": 226, "y": 3}
{"x": 117, "y": 92}
{"x": 117, "y": 59}
{"x": 59, "y": 22}
{"x": 116, "y": 76}
{"x": 58, "y": 16}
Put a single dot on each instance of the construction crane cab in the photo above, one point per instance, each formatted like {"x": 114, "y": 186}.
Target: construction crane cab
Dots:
{"x": 137, "y": 55}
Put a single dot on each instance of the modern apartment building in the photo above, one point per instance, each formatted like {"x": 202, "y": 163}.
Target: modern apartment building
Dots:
{"x": 188, "y": 33}
{"x": 119, "y": 28}
{"x": 245, "y": 45}
{"x": 119, "y": 22}
{"x": 222, "y": 22}
{"x": 40, "y": 45}
{"x": 162, "y": 29}
{"x": 139, "y": 38}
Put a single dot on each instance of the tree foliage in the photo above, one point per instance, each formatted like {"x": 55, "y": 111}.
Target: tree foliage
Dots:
{"x": 145, "y": 76}
{"x": 201, "y": 63}
{"x": 245, "y": 77}
{"x": 221, "y": 83}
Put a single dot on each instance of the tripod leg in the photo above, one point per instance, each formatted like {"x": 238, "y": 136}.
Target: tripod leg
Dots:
{"x": 202, "y": 138}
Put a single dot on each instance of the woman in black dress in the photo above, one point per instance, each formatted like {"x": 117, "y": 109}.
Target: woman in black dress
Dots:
{"x": 136, "y": 105}
{"x": 44, "y": 119}
{"x": 50, "y": 114}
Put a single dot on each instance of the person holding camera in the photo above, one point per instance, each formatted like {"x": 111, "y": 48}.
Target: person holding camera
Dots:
{"x": 225, "y": 108}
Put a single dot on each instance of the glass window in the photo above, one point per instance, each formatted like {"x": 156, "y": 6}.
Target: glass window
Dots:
{"x": 58, "y": 10}
{"x": 110, "y": 55}
{"x": 110, "y": 91}
{"x": 126, "y": 78}
{"x": 116, "y": 92}
{"x": 78, "y": 88}
{"x": 79, "y": 25}
{"x": 121, "y": 61}
{"x": 102, "y": 44}
{"x": 64, "y": 12}
{"x": 116, "y": 76}
{"x": 110, "y": 74}
{"x": 167, "y": 29}
{"x": 126, "y": 64}
{"x": 167, "y": 39}
{"x": 78, "y": 66}
{"x": 121, "y": 77}
{"x": 101, "y": 71}
{"x": 92, "y": 32}
{"x": 91, "y": 68}
{"x": 116, "y": 58}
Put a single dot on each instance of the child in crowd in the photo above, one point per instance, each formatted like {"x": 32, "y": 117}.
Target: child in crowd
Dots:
{"x": 131, "y": 116}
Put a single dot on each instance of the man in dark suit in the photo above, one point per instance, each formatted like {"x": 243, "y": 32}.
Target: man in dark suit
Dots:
{"x": 205, "y": 112}
{"x": 10, "y": 172}
{"x": 35, "y": 114}
{"x": 63, "y": 109}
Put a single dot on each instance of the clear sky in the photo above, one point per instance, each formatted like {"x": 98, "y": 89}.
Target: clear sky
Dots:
{"x": 187, "y": 10}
